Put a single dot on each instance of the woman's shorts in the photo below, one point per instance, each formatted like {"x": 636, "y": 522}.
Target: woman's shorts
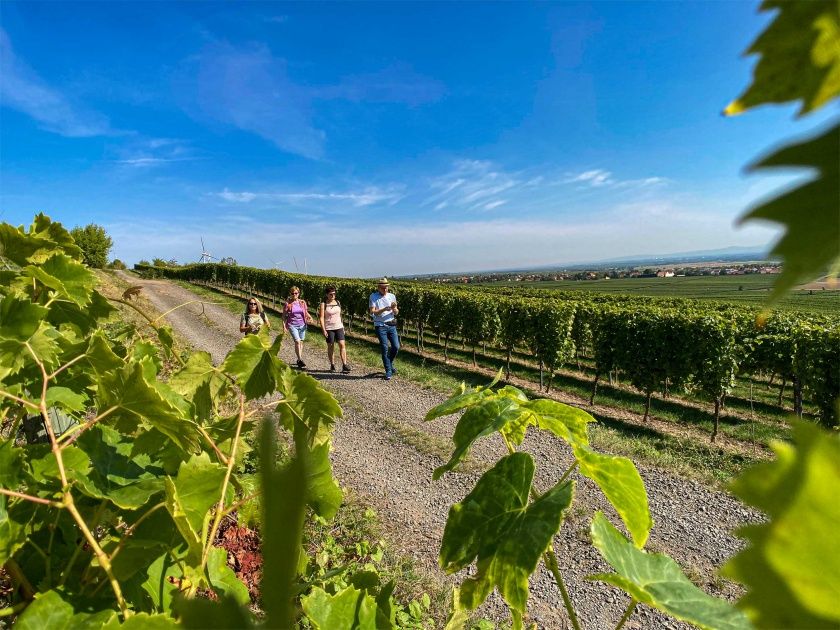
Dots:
{"x": 298, "y": 333}
{"x": 335, "y": 335}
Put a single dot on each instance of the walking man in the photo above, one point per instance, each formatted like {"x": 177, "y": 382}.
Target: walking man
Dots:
{"x": 384, "y": 310}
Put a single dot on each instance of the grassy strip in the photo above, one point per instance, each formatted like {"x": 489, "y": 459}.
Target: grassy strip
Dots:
{"x": 684, "y": 456}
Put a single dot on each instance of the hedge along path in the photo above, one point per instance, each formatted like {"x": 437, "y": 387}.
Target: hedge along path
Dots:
{"x": 749, "y": 450}
{"x": 692, "y": 522}
{"x": 655, "y": 343}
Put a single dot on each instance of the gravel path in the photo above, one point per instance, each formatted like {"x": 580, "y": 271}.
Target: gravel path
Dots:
{"x": 385, "y": 452}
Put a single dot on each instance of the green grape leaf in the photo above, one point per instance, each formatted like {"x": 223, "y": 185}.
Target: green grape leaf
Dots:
{"x": 100, "y": 356}
{"x": 14, "y": 354}
{"x": 136, "y": 400}
{"x": 68, "y": 278}
{"x": 566, "y": 422}
{"x": 255, "y": 365}
{"x": 200, "y": 381}
{"x": 306, "y": 400}
{"x": 50, "y": 610}
{"x": 87, "y": 318}
{"x": 14, "y": 521}
{"x": 197, "y": 613}
{"x": 147, "y": 350}
{"x": 811, "y": 243}
{"x": 322, "y": 491}
{"x": 656, "y": 580}
{"x": 191, "y": 494}
{"x": 349, "y": 609}
{"x": 136, "y": 555}
{"x": 491, "y": 415}
{"x": 457, "y": 402}
{"x": 166, "y": 337}
{"x": 621, "y": 483}
{"x": 17, "y": 246}
{"x": 117, "y": 474}
{"x": 65, "y": 398}
{"x": 800, "y": 57}
{"x": 19, "y": 319}
{"x": 11, "y": 464}
{"x": 496, "y": 524}
{"x": 159, "y": 583}
{"x": 222, "y": 578}
{"x": 791, "y": 573}
{"x": 44, "y": 227}
{"x": 44, "y": 467}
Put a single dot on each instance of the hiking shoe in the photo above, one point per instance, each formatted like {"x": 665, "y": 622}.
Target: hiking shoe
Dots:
{"x": 345, "y": 369}
{"x": 301, "y": 364}
{"x": 387, "y": 377}
{"x": 332, "y": 367}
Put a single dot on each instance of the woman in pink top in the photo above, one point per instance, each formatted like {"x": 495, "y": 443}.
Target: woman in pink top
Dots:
{"x": 329, "y": 314}
{"x": 296, "y": 315}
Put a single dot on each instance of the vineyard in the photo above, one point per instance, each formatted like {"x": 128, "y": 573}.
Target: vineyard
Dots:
{"x": 138, "y": 475}
{"x": 669, "y": 346}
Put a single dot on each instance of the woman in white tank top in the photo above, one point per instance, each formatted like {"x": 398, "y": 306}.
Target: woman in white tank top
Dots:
{"x": 329, "y": 314}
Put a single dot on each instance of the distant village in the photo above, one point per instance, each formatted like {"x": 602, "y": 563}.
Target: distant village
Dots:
{"x": 696, "y": 269}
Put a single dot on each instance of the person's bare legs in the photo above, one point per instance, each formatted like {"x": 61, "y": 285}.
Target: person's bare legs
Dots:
{"x": 331, "y": 352}
{"x": 342, "y": 350}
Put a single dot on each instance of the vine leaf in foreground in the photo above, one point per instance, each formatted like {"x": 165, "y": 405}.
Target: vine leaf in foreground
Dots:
{"x": 800, "y": 59}
{"x": 621, "y": 483}
{"x": 811, "y": 243}
{"x": 255, "y": 364}
{"x": 792, "y": 577}
{"x": 496, "y": 525}
{"x": 136, "y": 400}
{"x": 349, "y": 609}
{"x": 190, "y": 495}
{"x": 656, "y": 580}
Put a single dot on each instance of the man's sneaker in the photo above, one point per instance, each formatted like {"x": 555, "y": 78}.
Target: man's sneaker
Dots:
{"x": 393, "y": 370}
{"x": 345, "y": 369}
{"x": 387, "y": 377}
{"x": 332, "y": 367}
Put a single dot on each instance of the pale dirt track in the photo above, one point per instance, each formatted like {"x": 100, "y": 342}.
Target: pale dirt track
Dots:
{"x": 372, "y": 456}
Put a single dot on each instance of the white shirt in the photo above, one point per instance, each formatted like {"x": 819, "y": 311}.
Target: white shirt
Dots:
{"x": 379, "y": 301}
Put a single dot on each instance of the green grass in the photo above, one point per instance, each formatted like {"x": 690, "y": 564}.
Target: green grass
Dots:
{"x": 750, "y": 289}
{"x": 684, "y": 456}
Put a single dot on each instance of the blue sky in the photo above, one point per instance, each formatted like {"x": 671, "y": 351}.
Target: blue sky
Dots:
{"x": 386, "y": 138}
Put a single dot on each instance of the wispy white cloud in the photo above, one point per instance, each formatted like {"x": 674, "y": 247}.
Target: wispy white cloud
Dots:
{"x": 368, "y": 196}
{"x": 22, "y": 89}
{"x": 598, "y": 178}
{"x": 150, "y": 152}
{"x": 470, "y": 184}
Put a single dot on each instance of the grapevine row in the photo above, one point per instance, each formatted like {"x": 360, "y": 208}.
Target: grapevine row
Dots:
{"x": 657, "y": 345}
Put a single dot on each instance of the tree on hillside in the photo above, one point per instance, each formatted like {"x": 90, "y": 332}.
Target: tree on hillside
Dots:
{"x": 228, "y": 260}
{"x": 95, "y": 244}
{"x": 116, "y": 264}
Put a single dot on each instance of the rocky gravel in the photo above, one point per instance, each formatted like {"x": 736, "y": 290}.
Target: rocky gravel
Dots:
{"x": 386, "y": 452}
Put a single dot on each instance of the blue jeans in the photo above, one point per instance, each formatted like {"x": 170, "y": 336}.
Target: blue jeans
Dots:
{"x": 388, "y": 334}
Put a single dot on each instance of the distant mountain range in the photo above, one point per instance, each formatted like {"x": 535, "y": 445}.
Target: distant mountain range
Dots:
{"x": 725, "y": 254}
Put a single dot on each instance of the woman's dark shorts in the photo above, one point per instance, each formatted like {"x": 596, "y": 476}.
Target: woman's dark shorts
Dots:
{"x": 335, "y": 335}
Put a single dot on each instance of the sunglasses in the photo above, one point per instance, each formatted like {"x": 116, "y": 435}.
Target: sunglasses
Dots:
{"x": 252, "y": 303}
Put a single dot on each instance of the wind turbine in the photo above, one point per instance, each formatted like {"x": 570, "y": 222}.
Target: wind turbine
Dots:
{"x": 276, "y": 263}
{"x": 296, "y": 267}
{"x": 206, "y": 256}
